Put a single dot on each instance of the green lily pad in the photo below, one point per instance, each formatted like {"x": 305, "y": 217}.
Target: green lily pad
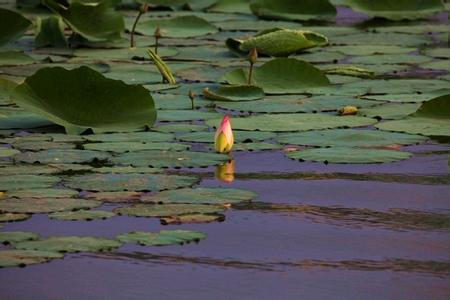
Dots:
{"x": 9, "y": 217}
{"x": 202, "y": 196}
{"x": 170, "y": 159}
{"x": 122, "y": 54}
{"x": 63, "y": 156}
{"x": 70, "y": 244}
{"x": 11, "y": 58}
{"x": 349, "y": 138}
{"x": 370, "y": 50}
{"x": 390, "y": 59}
{"x": 255, "y": 146}
{"x": 145, "y": 137}
{"x": 12, "y": 25}
{"x": 194, "y": 218}
{"x": 234, "y": 93}
{"x": 66, "y": 98}
{"x": 390, "y": 111}
{"x": 8, "y": 152}
{"x": 296, "y": 122}
{"x": 11, "y": 237}
{"x": 185, "y": 115}
{"x": 121, "y": 147}
{"x": 183, "y": 26}
{"x": 281, "y": 76}
{"x": 16, "y": 258}
{"x": 231, "y": 6}
{"x": 167, "y": 210}
{"x": 42, "y": 145}
{"x": 78, "y": 215}
{"x": 397, "y": 10}
{"x": 278, "y": 42}
{"x": 128, "y": 182}
{"x": 50, "y": 33}
{"x": 438, "y": 52}
{"x": 180, "y": 128}
{"x": 11, "y": 117}
{"x": 399, "y": 86}
{"x": 19, "y": 182}
{"x": 98, "y": 22}
{"x": 44, "y": 205}
{"x": 293, "y": 9}
{"x": 6, "y": 88}
{"x": 342, "y": 155}
{"x": 125, "y": 170}
{"x": 431, "y": 119}
{"x": 174, "y": 102}
{"x": 162, "y": 238}
{"x": 239, "y": 136}
{"x": 42, "y": 193}
{"x": 114, "y": 197}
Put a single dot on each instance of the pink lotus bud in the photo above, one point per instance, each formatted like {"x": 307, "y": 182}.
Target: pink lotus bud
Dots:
{"x": 223, "y": 139}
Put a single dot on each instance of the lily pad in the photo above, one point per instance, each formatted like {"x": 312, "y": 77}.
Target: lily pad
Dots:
{"x": 19, "y": 182}
{"x": 194, "y": 218}
{"x": 50, "y": 32}
{"x": 162, "y": 238}
{"x": 9, "y": 217}
{"x": 180, "y": 128}
{"x": 168, "y": 210}
{"x": 296, "y": 122}
{"x": 11, "y": 58}
{"x": 64, "y": 156}
{"x": 10, "y": 237}
{"x": 114, "y": 197}
{"x": 144, "y": 137}
{"x": 6, "y": 88}
{"x": 239, "y": 136}
{"x": 44, "y": 205}
{"x": 66, "y": 98}
{"x": 16, "y": 258}
{"x": 390, "y": 111}
{"x": 183, "y": 26}
{"x": 12, "y": 25}
{"x": 349, "y": 155}
{"x": 185, "y": 115}
{"x": 121, "y": 147}
{"x": 42, "y": 193}
{"x": 397, "y": 10}
{"x": 129, "y": 182}
{"x": 349, "y": 138}
{"x": 170, "y": 159}
{"x": 255, "y": 146}
{"x": 234, "y": 93}
{"x": 293, "y": 9}
{"x": 7, "y": 152}
{"x": 70, "y": 244}
{"x": 281, "y": 76}
{"x": 78, "y": 215}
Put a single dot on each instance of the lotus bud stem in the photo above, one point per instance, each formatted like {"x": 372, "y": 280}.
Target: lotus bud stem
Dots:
{"x": 191, "y": 95}
{"x": 157, "y": 35}
{"x": 142, "y": 10}
{"x": 252, "y": 58}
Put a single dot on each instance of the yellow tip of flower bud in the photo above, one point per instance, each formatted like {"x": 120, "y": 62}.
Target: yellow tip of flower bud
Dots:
{"x": 157, "y": 32}
{"x": 348, "y": 110}
{"x": 253, "y": 56}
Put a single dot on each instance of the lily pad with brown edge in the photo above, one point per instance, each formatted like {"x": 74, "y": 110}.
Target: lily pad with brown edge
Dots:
{"x": 21, "y": 258}
{"x": 42, "y": 193}
{"x": 82, "y": 98}
{"x": 296, "y": 122}
{"x": 10, "y": 237}
{"x": 122, "y": 147}
{"x": 281, "y": 76}
{"x": 348, "y": 155}
{"x": 202, "y": 196}
{"x": 168, "y": 210}
{"x": 9, "y": 217}
{"x": 128, "y": 182}
{"x": 64, "y": 156}
{"x": 277, "y": 42}
{"x": 431, "y": 119}
{"x": 239, "y": 136}
{"x": 293, "y": 10}
{"x": 114, "y": 197}
{"x": 12, "y": 25}
{"x": 182, "y": 26}
{"x": 231, "y": 6}
{"x": 68, "y": 244}
{"x": 170, "y": 159}
{"x": 45, "y": 205}
{"x": 18, "y": 182}
{"x": 162, "y": 238}
{"x": 234, "y": 93}
{"x": 192, "y": 219}
{"x": 83, "y": 214}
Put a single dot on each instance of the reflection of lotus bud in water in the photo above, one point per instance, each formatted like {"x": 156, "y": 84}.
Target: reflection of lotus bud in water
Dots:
{"x": 224, "y": 140}
{"x": 225, "y": 172}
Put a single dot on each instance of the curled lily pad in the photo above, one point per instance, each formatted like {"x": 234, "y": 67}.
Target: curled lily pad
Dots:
{"x": 234, "y": 93}
{"x": 183, "y": 26}
{"x": 167, "y": 210}
{"x": 9, "y": 217}
{"x": 278, "y": 42}
{"x": 87, "y": 215}
{"x": 11, "y": 237}
{"x": 202, "y": 196}
{"x": 162, "y": 238}
{"x": 61, "y": 156}
{"x": 70, "y": 244}
{"x": 194, "y": 218}
{"x": 397, "y": 10}
{"x": 12, "y": 25}
{"x": 44, "y": 205}
{"x": 50, "y": 32}
{"x": 281, "y": 76}
{"x": 129, "y": 182}
{"x": 293, "y": 9}
{"x": 83, "y": 98}
{"x": 14, "y": 258}
{"x": 349, "y": 155}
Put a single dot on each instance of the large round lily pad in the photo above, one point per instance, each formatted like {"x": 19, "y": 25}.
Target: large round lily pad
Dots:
{"x": 167, "y": 210}
{"x": 11, "y": 237}
{"x": 293, "y": 9}
{"x": 349, "y": 155}
{"x": 12, "y": 25}
{"x": 183, "y": 26}
{"x": 296, "y": 122}
{"x": 82, "y": 214}
{"x": 14, "y": 258}
{"x": 162, "y": 238}
{"x": 170, "y": 159}
{"x": 70, "y": 244}
{"x": 281, "y": 76}
{"x": 57, "y": 156}
{"x": 349, "y": 138}
{"x": 44, "y": 205}
{"x": 202, "y": 196}
{"x": 129, "y": 182}
{"x": 83, "y": 98}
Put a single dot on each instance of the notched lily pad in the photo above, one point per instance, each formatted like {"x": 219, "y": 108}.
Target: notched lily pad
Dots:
{"x": 162, "y": 238}
{"x": 21, "y": 258}
{"x": 44, "y": 205}
{"x": 78, "y": 215}
{"x": 70, "y": 244}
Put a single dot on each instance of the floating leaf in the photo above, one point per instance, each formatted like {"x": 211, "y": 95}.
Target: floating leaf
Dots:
{"x": 19, "y": 182}
{"x": 44, "y": 205}
{"x": 239, "y": 136}
{"x": 234, "y": 93}
{"x": 194, "y": 218}
{"x": 87, "y": 215}
{"x": 144, "y": 137}
{"x": 10, "y": 237}
{"x": 66, "y": 98}
{"x": 7, "y": 152}
{"x": 70, "y": 244}
{"x": 6, "y": 88}
{"x": 390, "y": 111}
{"x": 121, "y": 147}
{"x": 129, "y": 182}
{"x": 61, "y": 156}
{"x": 15, "y": 258}
{"x": 12, "y": 25}
{"x": 168, "y": 210}
{"x": 11, "y": 58}
{"x": 9, "y": 217}
{"x": 183, "y": 26}
{"x": 162, "y": 238}
{"x": 281, "y": 76}
{"x": 293, "y": 9}
{"x": 114, "y": 197}
{"x": 185, "y": 115}
{"x": 50, "y": 32}
{"x": 42, "y": 193}
{"x": 231, "y": 6}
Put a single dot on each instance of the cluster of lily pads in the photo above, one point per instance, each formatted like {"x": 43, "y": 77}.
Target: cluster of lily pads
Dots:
{"x": 124, "y": 127}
